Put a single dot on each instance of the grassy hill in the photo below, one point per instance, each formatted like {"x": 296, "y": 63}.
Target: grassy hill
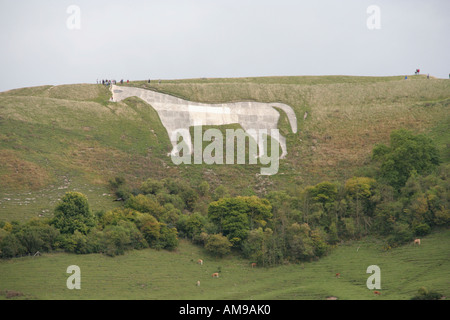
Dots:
{"x": 163, "y": 275}
{"x": 55, "y": 139}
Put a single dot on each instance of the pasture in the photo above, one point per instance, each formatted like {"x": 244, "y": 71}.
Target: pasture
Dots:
{"x": 162, "y": 275}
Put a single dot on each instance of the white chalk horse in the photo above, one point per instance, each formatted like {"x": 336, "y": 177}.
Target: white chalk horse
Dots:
{"x": 176, "y": 114}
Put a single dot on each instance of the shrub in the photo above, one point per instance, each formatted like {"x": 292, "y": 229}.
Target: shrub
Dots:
{"x": 401, "y": 234}
{"x": 218, "y": 245}
{"x": 424, "y": 294}
{"x": 145, "y": 204}
{"x": 169, "y": 238}
{"x": 422, "y": 229}
{"x": 11, "y": 247}
{"x": 152, "y": 186}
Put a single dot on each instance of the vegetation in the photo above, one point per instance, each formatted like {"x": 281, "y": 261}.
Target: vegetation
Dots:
{"x": 352, "y": 174}
{"x": 283, "y": 226}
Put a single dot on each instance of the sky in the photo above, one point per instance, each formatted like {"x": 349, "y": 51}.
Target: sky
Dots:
{"x": 53, "y": 42}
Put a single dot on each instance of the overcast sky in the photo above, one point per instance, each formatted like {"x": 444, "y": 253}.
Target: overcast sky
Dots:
{"x": 44, "y": 42}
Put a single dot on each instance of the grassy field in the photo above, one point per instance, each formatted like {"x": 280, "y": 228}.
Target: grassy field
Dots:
{"x": 71, "y": 137}
{"x": 151, "y": 274}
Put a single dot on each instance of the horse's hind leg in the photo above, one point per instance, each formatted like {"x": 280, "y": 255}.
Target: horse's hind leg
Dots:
{"x": 282, "y": 141}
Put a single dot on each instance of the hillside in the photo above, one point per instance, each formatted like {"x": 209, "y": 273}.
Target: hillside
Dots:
{"x": 86, "y": 179}
{"x": 55, "y": 139}
{"x": 161, "y": 275}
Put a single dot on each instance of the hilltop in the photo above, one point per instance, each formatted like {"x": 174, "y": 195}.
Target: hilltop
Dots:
{"x": 55, "y": 139}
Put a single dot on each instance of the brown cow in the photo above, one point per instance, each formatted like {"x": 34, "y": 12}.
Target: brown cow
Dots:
{"x": 338, "y": 275}
{"x": 200, "y": 261}
{"x": 253, "y": 264}
{"x": 417, "y": 241}
{"x": 215, "y": 275}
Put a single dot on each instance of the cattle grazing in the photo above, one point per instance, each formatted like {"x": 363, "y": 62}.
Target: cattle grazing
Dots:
{"x": 253, "y": 264}
{"x": 338, "y": 275}
{"x": 377, "y": 292}
{"x": 215, "y": 275}
{"x": 417, "y": 241}
{"x": 200, "y": 262}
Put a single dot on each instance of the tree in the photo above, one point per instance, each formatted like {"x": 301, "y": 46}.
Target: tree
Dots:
{"x": 73, "y": 214}
{"x": 407, "y": 152}
{"x": 324, "y": 192}
{"x": 257, "y": 246}
{"x": 194, "y": 224}
{"x": 150, "y": 229}
{"x": 236, "y": 216}
{"x": 299, "y": 243}
{"x": 169, "y": 238}
{"x": 203, "y": 189}
{"x": 359, "y": 190}
{"x": 220, "y": 192}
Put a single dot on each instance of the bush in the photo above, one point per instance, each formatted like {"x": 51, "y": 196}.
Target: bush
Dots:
{"x": 424, "y": 294}
{"x": 116, "y": 241}
{"x": 218, "y": 245}
{"x": 11, "y": 247}
{"x": 401, "y": 235}
{"x": 75, "y": 243}
{"x": 73, "y": 214}
{"x": 422, "y": 229}
{"x": 169, "y": 238}
{"x": 145, "y": 204}
{"x": 152, "y": 186}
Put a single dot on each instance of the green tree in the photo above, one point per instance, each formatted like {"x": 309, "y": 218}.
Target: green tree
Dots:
{"x": 168, "y": 238}
{"x": 236, "y": 216}
{"x": 150, "y": 229}
{"x": 257, "y": 246}
{"x": 359, "y": 191}
{"x": 300, "y": 245}
{"x": 73, "y": 214}
{"x": 194, "y": 225}
{"x": 407, "y": 152}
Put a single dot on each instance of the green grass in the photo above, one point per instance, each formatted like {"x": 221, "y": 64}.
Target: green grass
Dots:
{"x": 156, "y": 275}
{"x": 51, "y": 134}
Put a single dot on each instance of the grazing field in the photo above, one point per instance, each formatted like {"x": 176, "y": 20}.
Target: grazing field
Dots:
{"x": 151, "y": 274}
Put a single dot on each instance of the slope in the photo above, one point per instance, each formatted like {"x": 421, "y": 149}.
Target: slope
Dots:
{"x": 59, "y": 138}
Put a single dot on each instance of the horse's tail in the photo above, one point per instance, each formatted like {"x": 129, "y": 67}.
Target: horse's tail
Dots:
{"x": 289, "y": 112}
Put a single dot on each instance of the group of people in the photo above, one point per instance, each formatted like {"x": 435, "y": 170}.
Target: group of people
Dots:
{"x": 109, "y": 82}
{"x": 418, "y": 72}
